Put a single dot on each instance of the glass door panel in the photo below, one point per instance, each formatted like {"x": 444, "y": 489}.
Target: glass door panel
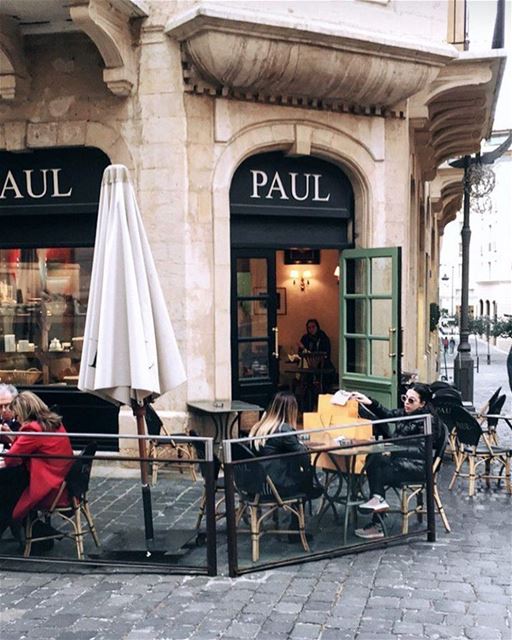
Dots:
{"x": 254, "y": 329}
{"x": 370, "y": 322}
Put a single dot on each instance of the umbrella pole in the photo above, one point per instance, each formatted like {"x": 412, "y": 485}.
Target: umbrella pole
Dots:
{"x": 139, "y": 411}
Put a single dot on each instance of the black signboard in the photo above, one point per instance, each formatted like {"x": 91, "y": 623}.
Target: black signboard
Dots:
{"x": 275, "y": 184}
{"x": 49, "y": 197}
{"x": 285, "y": 202}
{"x": 49, "y": 181}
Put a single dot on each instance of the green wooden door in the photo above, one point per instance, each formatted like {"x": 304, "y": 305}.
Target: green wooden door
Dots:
{"x": 370, "y": 340}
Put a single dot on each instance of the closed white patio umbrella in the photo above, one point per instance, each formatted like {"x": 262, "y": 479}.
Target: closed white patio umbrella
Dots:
{"x": 130, "y": 355}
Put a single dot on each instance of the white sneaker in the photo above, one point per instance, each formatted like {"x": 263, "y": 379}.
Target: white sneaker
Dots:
{"x": 370, "y": 531}
{"x": 376, "y": 503}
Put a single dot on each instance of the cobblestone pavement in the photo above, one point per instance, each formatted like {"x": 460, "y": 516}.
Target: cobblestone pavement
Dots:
{"x": 457, "y": 588}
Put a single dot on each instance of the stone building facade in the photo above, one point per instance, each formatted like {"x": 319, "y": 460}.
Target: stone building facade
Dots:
{"x": 184, "y": 92}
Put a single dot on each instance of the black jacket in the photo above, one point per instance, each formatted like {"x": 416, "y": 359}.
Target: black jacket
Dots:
{"x": 412, "y": 460}
{"x": 318, "y": 342}
{"x": 292, "y": 474}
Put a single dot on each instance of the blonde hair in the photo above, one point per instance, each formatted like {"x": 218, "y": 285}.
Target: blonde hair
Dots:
{"x": 27, "y": 407}
{"x": 283, "y": 409}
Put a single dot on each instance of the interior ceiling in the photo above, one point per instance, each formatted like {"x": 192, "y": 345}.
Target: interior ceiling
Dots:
{"x": 39, "y": 16}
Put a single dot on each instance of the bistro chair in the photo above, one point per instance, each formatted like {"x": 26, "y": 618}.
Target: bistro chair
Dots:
{"x": 260, "y": 499}
{"x": 490, "y": 418}
{"x": 415, "y": 490}
{"x": 168, "y": 448}
{"x": 76, "y": 484}
{"x": 219, "y": 481}
{"x": 476, "y": 450}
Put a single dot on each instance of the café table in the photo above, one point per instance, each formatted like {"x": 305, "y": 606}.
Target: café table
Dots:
{"x": 343, "y": 463}
{"x": 224, "y": 414}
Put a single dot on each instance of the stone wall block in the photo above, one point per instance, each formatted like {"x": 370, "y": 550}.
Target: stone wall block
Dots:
{"x": 15, "y": 136}
{"x": 42, "y": 135}
{"x": 71, "y": 133}
{"x": 99, "y": 135}
{"x": 161, "y": 129}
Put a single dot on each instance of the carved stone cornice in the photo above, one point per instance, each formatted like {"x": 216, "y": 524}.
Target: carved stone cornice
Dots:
{"x": 108, "y": 26}
{"x": 455, "y": 112}
{"x": 446, "y": 192}
{"x": 242, "y": 52}
{"x": 14, "y": 77}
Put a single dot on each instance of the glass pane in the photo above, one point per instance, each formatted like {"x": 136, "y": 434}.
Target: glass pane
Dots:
{"x": 253, "y": 360}
{"x": 356, "y": 355}
{"x": 381, "y": 275}
{"x": 252, "y": 318}
{"x": 356, "y": 275}
{"x": 381, "y": 317}
{"x": 251, "y": 276}
{"x": 356, "y": 316}
{"x": 43, "y": 304}
{"x": 381, "y": 362}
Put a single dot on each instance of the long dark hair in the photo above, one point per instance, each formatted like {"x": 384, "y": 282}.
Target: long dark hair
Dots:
{"x": 311, "y": 320}
{"x": 282, "y": 409}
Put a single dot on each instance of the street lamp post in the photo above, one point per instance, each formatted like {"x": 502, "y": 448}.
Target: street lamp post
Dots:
{"x": 478, "y": 181}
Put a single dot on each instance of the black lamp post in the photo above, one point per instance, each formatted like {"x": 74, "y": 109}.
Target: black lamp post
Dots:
{"x": 478, "y": 182}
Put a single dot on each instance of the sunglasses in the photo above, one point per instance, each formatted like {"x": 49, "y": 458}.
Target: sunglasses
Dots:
{"x": 408, "y": 399}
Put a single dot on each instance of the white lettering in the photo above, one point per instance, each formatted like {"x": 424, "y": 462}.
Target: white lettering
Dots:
{"x": 316, "y": 197}
{"x": 293, "y": 176}
{"x": 256, "y": 184}
{"x": 10, "y": 183}
{"x": 28, "y": 182}
{"x": 56, "y": 193}
{"x": 277, "y": 185}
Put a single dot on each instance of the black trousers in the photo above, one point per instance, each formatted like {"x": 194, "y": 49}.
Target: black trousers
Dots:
{"x": 386, "y": 471}
{"x": 13, "y": 482}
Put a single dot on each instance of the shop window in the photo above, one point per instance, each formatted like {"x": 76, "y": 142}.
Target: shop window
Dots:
{"x": 43, "y": 304}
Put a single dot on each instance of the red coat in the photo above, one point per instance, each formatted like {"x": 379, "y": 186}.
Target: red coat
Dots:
{"x": 46, "y": 476}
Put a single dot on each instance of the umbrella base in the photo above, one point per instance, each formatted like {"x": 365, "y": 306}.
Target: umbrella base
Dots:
{"x": 130, "y": 545}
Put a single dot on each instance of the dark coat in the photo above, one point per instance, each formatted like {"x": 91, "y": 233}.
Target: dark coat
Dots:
{"x": 412, "y": 461}
{"x": 318, "y": 342}
{"x": 290, "y": 475}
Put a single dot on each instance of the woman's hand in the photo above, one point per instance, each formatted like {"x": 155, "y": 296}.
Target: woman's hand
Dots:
{"x": 360, "y": 397}
{"x": 5, "y": 430}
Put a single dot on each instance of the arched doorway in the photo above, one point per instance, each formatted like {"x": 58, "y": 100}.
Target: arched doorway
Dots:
{"x": 290, "y": 218}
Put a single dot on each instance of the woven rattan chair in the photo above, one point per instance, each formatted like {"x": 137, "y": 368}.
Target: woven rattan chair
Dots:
{"x": 260, "y": 499}
{"x": 70, "y": 515}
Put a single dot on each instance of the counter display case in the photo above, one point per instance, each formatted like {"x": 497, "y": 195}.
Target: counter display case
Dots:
{"x": 43, "y": 305}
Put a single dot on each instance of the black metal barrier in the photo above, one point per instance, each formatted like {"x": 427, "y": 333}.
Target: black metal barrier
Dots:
{"x": 327, "y": 497}
{"x": 117, "y": 509}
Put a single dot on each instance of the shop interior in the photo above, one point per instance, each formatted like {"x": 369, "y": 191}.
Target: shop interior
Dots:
{"x": 43, "y": 305}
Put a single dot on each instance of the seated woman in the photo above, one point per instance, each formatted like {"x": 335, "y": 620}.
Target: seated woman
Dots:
{"x": 290, "y": 475}
{"x": 390, "y": 469}
{"x": 26, "y": 483}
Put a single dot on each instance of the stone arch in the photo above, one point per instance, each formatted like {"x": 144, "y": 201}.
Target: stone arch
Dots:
{"x": 325, "y": 142}
{"x": 73, "y": 133}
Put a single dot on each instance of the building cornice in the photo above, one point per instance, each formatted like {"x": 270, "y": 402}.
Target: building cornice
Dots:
{"x": 451, "y": 116}
{"x": 269, "y": 56}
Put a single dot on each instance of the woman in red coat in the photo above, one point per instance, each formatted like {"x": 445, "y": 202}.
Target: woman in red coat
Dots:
{"x": 30, "y": 482}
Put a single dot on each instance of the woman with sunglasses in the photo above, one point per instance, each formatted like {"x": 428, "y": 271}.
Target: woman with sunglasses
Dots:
{"x": 390, "y": 469}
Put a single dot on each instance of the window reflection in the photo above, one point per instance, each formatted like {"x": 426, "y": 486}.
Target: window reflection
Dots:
{"x": 43, "y": 304}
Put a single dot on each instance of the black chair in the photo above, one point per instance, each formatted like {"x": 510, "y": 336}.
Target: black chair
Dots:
{"x": 259, "y": 497}
{"x": 489, "y": 420}
{"x": 410, "y": 490}
{"x": 219, "y": 481}
{"x": 476, "y": 449}
{"x": 77, "y": 485}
